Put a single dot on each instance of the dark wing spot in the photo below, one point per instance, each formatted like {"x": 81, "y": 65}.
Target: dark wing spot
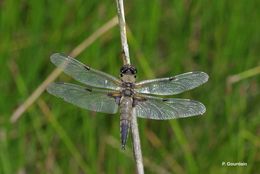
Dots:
{"x": 86, "y": 67}
{"x": 165, "y": 100}
{"x": 87, "y": 89}
{"x": 172, "y": 78}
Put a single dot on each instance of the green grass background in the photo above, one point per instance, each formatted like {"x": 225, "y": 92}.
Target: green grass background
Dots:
{"x": 219, "y": 37}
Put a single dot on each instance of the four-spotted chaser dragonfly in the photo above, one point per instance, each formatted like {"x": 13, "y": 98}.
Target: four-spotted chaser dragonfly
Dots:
{"x": 108, "y": 94}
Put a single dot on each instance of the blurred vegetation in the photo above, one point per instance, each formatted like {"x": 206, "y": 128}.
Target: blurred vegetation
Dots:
{"x": 219, "y": 37}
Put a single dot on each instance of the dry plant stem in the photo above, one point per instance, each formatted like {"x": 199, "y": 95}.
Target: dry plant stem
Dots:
{"x": 153, "y": 167}
{"x": 55, "y": 73}
{"x": 126, "y": 58}
{"x": 137, "y": 144}
{"x": 122, "y": 25}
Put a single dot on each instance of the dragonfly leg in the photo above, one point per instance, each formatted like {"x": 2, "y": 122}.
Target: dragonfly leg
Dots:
{"x": 118, "y": 100}
{"x": 116, "y": 96}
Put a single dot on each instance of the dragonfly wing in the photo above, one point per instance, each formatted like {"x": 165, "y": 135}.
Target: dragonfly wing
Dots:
{"x": 170, "y": 108}
{"x": 85, "y": 74}
{"x": 172, "y": 85}
{"x": 97, "y": 100}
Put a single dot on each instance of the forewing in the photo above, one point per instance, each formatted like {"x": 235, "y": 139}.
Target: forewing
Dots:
{"x": 85, "y": 74}
{"x": 170, "y": 108}
{"x": 92, "y": 99}
{"x": 172, "y": 85}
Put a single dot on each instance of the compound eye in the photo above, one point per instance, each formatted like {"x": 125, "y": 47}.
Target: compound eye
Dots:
{"x": 124, "y": 69}
{"x": 133, "y": 69}
{"x": 121, "y": 75}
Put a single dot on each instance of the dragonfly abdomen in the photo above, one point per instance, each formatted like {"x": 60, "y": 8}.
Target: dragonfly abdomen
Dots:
{"x": 125, "y": 118}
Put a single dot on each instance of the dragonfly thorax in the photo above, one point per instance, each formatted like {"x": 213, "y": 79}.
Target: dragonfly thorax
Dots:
{"x": 127, "y": 85}
{"x": 128, "y": 92}
{"x": 128, "y": 89}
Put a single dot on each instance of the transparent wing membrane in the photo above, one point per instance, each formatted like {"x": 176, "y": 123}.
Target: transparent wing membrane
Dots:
{"x": 85, "y": 74}
{"x": 92, "y": 99}
{"x": 170, "y": 108}
{"x": 106, "y": 100}
{"x": 172, "y": 85}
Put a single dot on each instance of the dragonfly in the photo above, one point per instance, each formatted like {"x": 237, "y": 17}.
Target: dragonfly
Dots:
{"x": 107, "y": 94}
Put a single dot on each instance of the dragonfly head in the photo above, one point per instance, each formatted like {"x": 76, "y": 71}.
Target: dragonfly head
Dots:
{"x": 128, "y": 69}
{"x": 128, "y": 73}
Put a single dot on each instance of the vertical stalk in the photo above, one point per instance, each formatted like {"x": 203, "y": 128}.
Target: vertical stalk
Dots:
{"x": 126, "y": 59}
{"x": 122, "y": 26}
{"x": 137, "y": 145}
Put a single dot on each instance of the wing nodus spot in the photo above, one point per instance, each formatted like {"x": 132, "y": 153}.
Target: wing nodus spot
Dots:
{"x": 87, "y": 89}
{"x": 172, "y": 78}
{"x": 86, "y": 67}
{"x": 165, "y": 100}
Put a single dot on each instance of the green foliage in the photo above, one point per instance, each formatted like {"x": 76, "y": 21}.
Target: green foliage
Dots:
{"x": 167, "y": 37}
